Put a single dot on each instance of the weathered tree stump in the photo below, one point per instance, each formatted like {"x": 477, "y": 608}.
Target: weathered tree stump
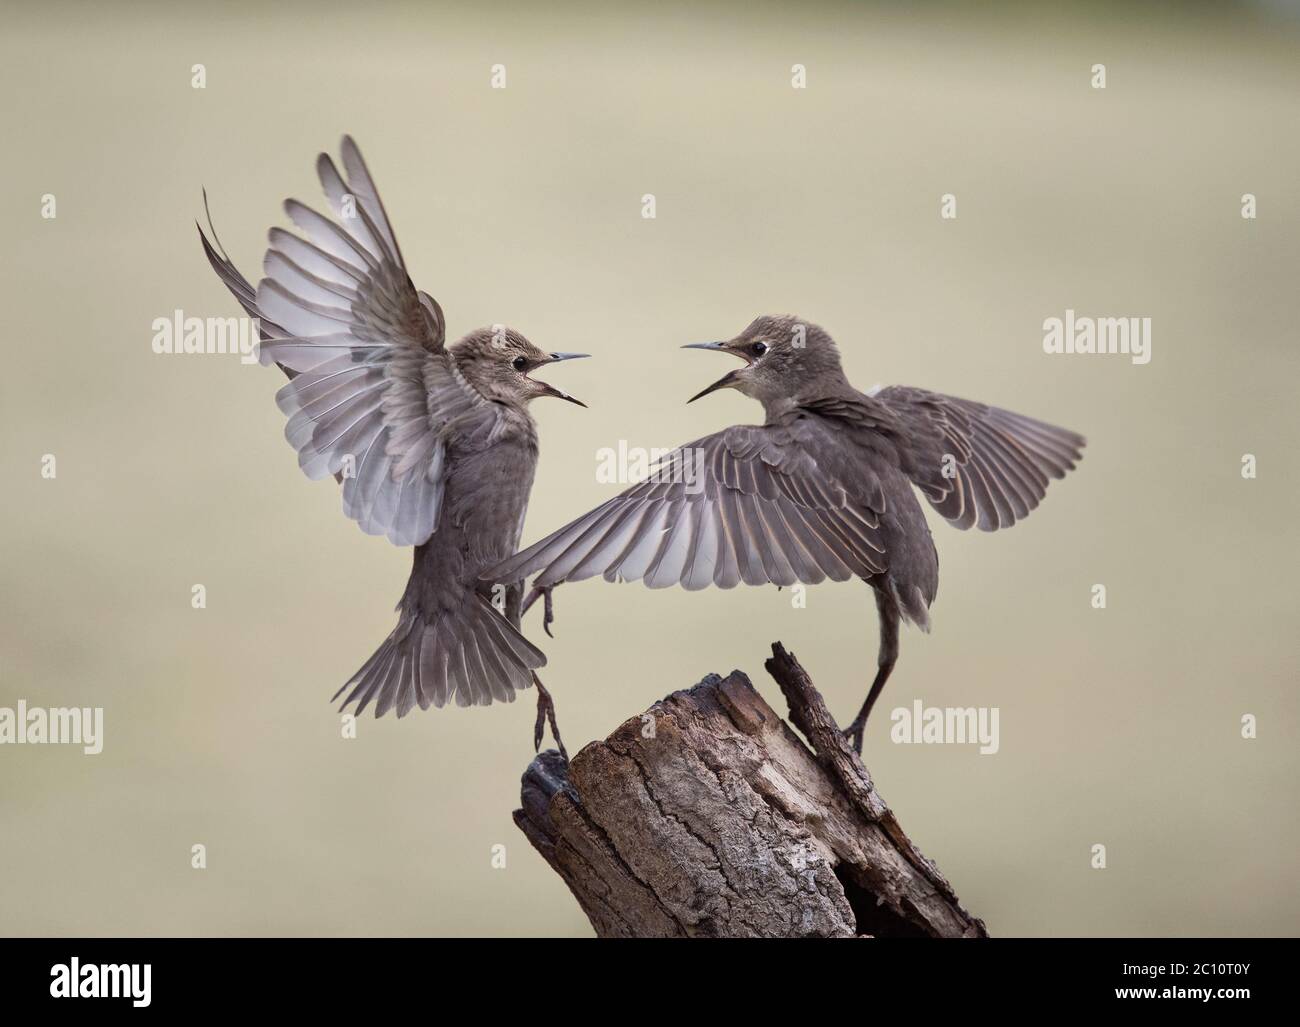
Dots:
{"x": 709, "y": 816}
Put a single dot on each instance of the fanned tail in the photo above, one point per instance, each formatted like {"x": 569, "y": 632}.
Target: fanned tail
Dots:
{"x": 470, "y": 654}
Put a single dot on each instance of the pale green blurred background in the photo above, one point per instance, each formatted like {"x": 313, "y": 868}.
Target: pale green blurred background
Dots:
{"x": 1118, "y": 727}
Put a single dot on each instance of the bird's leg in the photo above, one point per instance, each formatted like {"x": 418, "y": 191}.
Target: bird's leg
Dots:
{"x": 885, "y": 661}
{"x": 545, "y": 715}
{"x": 548, "y": 610}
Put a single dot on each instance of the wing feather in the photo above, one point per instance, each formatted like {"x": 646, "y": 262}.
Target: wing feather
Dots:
{"x": 373, "y": 391}
{"x": 758, "y": 507}
{"x": 977, "y": 465}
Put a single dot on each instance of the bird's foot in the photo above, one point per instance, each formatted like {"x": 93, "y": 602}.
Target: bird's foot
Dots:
{"x": 548, "y": 609}
{"x": 546, "y": 715}
{"x": 855, "y": 733}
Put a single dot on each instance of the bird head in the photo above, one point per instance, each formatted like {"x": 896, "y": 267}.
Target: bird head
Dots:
{"x": 785, "y": 357}
{"x": 497, "y": 361}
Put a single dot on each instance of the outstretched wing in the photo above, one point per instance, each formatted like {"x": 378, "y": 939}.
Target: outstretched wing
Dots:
{"x": 976, "y": 464}
{"x": 751, "y": 504}
{"x": 372, "y": 388}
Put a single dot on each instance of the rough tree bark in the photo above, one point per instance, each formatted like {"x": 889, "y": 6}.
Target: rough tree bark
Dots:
{"x": 709, "y": 816}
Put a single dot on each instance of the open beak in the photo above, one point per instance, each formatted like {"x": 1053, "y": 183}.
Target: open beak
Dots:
{"x": 551, "y": 390}
{"x": 727, "y": 380}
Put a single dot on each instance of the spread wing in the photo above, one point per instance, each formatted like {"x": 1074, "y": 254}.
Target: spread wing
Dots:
{"x": 751, "y": 504}
{"x": 976, "y": 464}
{"x": 372, "y": 388}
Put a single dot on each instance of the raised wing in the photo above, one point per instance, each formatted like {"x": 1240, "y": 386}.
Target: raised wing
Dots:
{"x": 976, "y": 464}
{"x": 372, "y": 389}
{"x": 749, "y": 504}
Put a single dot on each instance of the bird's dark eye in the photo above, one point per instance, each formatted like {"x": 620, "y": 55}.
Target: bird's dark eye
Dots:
{"x": 758, "y": 349}
{"x": 519, "y": 363}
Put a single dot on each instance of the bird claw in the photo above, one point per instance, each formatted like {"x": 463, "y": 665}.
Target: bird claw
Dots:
{"x": 545, "y": 715}
{"x": 855, "y": 734}
{"x": 548, "y": 610}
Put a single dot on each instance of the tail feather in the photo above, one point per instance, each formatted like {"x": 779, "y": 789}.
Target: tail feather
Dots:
{"x": 472, "y": 656}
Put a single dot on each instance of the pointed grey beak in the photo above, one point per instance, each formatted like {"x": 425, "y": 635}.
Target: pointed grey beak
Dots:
{"x": 551, "y": 390}
{"x": 725, "y": 381}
